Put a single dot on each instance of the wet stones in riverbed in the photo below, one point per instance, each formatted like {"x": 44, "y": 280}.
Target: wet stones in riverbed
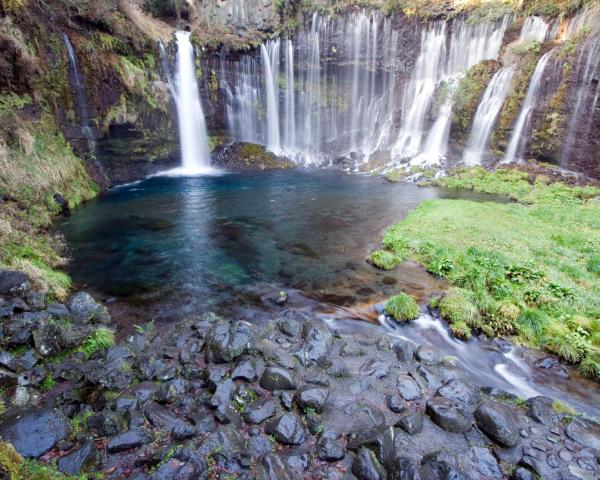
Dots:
{"x": 275, "y": 378}
{"x": 287, "y": 429}
{"x": 226, "y": 341}
{"x": 499, "y": 422}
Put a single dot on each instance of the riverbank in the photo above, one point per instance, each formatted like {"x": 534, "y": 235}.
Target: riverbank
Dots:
{"x": 283, "y": 397}
{"x": 526, "y": 270}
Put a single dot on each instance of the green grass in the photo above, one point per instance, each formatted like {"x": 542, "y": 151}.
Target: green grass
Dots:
{"x": 384, "y": 259}
{"x": 526, "y": 270}
{"x": 402, "y": 307}
{"x": 101, "y": 339}
{"x": 48, "y": 383}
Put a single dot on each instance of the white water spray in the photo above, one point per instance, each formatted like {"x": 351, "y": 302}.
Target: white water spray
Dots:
{"x": 195, "y": 157}
{"x": 486, "y": 115}
{"x": 517, "y": 143}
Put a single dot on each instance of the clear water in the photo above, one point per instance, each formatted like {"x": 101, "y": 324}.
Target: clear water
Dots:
{"x": 197, "y": 241}
{"x": 168, "y": 247}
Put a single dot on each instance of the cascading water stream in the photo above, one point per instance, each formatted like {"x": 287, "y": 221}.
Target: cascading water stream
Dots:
{"x": 81, "y": 104}
{"x": 518, "y": 142}
{"x": 534, "y": 28}
{"x": 486, "y": 115}
{"x": 195, "y": 157}
{"x": 588, "y": 93}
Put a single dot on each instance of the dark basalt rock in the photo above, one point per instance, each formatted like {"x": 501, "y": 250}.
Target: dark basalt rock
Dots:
{"x": 246, "y": 369}
{"x": 13, "y": 283}
{"x": 287, "y": 429}
{"x": 412, "y": 423}
{"x": 275, "y": 378}
{"x": 259, "y": 411}
{"x": 84, "y": 309}
{"x": 128, "y": 440}
{"x": 449, "y": 416}
{"x": 585, "y": 432}
{"x": 427, "y": 355}
{"x": 34, "y": 432}
{"x": 541, "y": 410}
{"x": 367, "y": 467}
{"x": 462, "y": 393}
{"x": 84, "y": 458}
{"x": 404, "y": 349}
{"x": 317, "y": 341}
{"x": 408, "y": 388}
{"x": 499, "y": 422}
{"x": 330, "y": 448}
{"x": 312, "y": 397}
{"x": 226, "y": 341}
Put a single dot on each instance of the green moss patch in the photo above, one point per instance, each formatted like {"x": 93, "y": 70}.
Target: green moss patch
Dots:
{"x": 523, "y": 270}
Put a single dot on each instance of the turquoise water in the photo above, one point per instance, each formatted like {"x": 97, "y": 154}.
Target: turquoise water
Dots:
{"x": 200, "y": 241}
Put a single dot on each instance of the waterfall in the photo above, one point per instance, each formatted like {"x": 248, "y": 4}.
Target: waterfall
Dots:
{"x": 518, "y": 143}
{"x": 486, "y": 115}
{"x": 270, "y": 59}
{"x": 82, "y": 105}
{"x": 296, "y": 101}
{"x": 442, "y": 61}
{"x": 534, "y": 28}
{"x": 193, "y": 137}
{"x": 588, "y": 92}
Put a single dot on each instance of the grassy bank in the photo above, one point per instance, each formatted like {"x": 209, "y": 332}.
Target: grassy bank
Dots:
{"x": 529, "y": 269}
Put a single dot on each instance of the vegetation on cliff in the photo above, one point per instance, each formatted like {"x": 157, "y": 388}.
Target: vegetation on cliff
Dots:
{"x": 527, "y": 269}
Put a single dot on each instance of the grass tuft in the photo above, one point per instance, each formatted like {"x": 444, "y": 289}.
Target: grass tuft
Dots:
{"x": 402, "y": 307}
{"x": 384, "y": 259}
{"x": 101, "y": 339}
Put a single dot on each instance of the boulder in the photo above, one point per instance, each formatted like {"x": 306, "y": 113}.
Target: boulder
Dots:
{"x": 226, "y": 341}
{"x": 257, "y": 412}
{"x": 499, "y": 422}
{"x": 408, "y": 388}
{"x": 34, "y": 432}
{"x": 128, "y": 440}
{"x": 367, "y": 467}
{"x": 449, "y": 416}
{"x": 84, "y": 309}
{"x": 317, "y": 341}
{"x": 275, "y": 378}
{"x": 84, "y": 458}
{"x": 287, "y": 429}
{"x": 411, "y": 423}
{"x": 330, "y": 448}
{"x": 462, "y": 393}
{"x": 312, "y": 397}
{"x": 13, "y": 283}
{"x": 541, "y": 409}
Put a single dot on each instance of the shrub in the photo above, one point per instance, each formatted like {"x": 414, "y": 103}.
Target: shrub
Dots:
{"x": 402, "y": 307}
{"x": 461, "y": 330}
{"x": 456, "y": 307}
{"x": 384, "y": 260}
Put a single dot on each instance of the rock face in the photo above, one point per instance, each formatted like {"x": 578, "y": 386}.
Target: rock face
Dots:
{"x": 249, "y": 156}
{"x": 34, "y": 432}
{"x": 237, "y": 17}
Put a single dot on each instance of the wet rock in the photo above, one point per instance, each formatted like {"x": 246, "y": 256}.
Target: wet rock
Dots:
{"x": 312, "y": 397}
{"x": 275, "y": 467}
{"x": 427, "y": 355}
{"x": 351, "y": 349}
{"x": 84, "y": 309}
{"x": 226, "y": 341}
{"x": 53, "y": 338}
{"x": 462, "y": 393}
{"x": 105, "y": 424}
{"x": 287, "y": 399}
{"x": 287, "y": 429}
{"x": 499, "y": 422}
{"x": 34, "y": 432}
{"x": 58, "y": 310}
{"x": 541, "y": 410}
{"x": 183, "y": 431}
{"x": 521, "y": 473}
{"x": 7, "y": 378}
{"x": 405, "y": 468}
{"x": 432, "y": 380}
{"x": 281, "y": 298}
{"x": 585, "y": 432}
{"x": 128, "y": 440}
{"x": 395, "y": 404}
{"x": 223, "y": 393}
{"x": 404, "y": 350}
{"x": 412, "y": 423}
{"x": 246, "y": 369}
{"x": 330, "y": 448}
{"x": 367, "y": 467}
{"x": 484, "y": 462}
{"x": 408, "y": 388}
{"x": 257, "y": 412}
{"x": 375, "y": 368}
{"x": 317, "y": 341}
{"x": 275, "y": 378}
{"x": 82, "y": 459}
{"x": 449, "y": 416}
{"x": 13, "y": 283}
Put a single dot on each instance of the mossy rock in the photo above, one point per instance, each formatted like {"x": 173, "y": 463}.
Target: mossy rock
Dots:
{"x": 249, "y": 156}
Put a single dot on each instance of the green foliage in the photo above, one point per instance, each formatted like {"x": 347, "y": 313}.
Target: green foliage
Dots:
{"x": 384, "y": 259}
{"x": 461, "y": 330}
{"x": 525, "y": 269}
{"x": 12, "y": 6}
{"x": 593, "y": 265}
{"x": 10, "y": 102}
{"x": 101, "y": 339}
{"x": 79, "y": 422}
{"x": 402, "y": 307}
{"x": 48, "y": 383}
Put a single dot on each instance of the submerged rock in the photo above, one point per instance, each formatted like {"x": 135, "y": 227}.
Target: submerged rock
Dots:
{"x": 249, "y": 156}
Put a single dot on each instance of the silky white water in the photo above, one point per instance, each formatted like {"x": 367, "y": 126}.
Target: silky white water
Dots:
{"x": 487, "y": 114}
{"x": 534, "y": 28}
{"x": 518, "y": 143}
{"x": 195, "y": 157}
